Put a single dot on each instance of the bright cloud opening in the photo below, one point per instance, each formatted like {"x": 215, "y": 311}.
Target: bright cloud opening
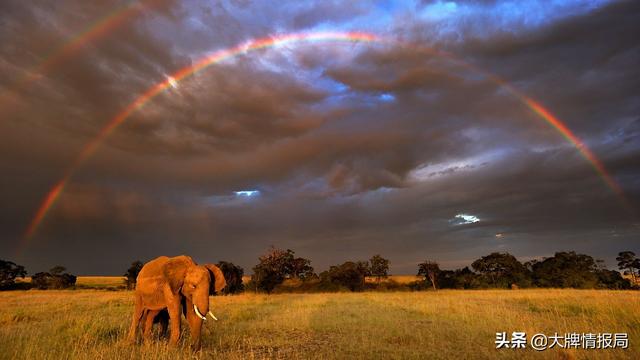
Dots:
{"x": 247, "y": 193}
{"x": 462, "y": 219}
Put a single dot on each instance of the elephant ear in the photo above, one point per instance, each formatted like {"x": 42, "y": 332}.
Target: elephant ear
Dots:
{"x": 217, "y": 277}
{"x": 175, "y": 269}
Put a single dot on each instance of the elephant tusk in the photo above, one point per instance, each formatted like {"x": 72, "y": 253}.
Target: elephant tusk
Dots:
{"x": 195, "y": 308}
{"x": 213, "y": 316}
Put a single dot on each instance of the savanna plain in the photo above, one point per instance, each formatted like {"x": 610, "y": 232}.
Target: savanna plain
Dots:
{"x": 446, "y": 324}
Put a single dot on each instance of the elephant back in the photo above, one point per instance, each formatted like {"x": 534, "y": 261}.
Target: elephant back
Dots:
{"x": 167, "y": 269}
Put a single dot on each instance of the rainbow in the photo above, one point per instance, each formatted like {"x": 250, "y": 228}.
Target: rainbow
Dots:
{"x": 221, "y": 55}
{"x": 170, "y": 81}
{"x": 579, "y": 144}
{"x": 98, "y": 29}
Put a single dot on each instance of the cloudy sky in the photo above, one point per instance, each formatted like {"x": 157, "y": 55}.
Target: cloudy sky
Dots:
{"x": 337, "y": 150}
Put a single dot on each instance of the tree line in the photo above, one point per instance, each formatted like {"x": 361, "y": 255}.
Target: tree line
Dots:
{"x": 566, "y": 269}
{"x": 281, "y": 270}
{"x": 55, "y": 278}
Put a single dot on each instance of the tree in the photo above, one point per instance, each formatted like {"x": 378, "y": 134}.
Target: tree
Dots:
{"x": 277, "y": 265}
{"x": 350, "y": 275}
{"x": 57, "y": 270}
{"x": 379, "y": 267}
{"x": 466, "y": 279}
{"x": 502, "y": 270}
{"x": 301, "y": 268}
{"x": 54, "y": 279}
{"x": 233, "y": 276}
{"x": 9, "y": 271}
{"x": 132, "y": 274}
{"x": 627, "y": 261}
{"x": 636, "y": 266}
{"x": 566, "y": 269}
{"x": 429, "y": 270}
{"x": 364, "y": 269}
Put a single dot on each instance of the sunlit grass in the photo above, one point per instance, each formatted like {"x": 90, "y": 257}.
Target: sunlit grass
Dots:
{"x": 89, "y": 324}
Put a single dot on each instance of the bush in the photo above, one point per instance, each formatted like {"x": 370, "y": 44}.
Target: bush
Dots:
{"x": 419, "y": 285}
{"x": 379, "y": 267}
{"x": 461, "y": 279}
{"x": 277, "y": 265}
{"x": 55, "y": 279}
{"x": 502, "y": 270}
{"x": 389, "y": 285}
{"x": 132, "y": 274}
{"x": 566, "y": 269}
{"x": 233, "y": 276}
{"x": 610, "y": 279}
{"x": 9, "y": 271}
{"x": 351, "y": 275}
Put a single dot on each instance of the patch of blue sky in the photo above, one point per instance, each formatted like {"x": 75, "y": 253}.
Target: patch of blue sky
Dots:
{"x": 247, "y": 193}
{"x": 239, "y": 197}
{"x": 512, "y": 16}
{"x": 439, "y": 10}
{"x": 386, "y": 97}
{"x": 342, "y": 95}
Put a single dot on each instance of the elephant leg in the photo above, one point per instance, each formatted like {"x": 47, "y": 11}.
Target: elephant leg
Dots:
{"x": 143, "y": 320}
{"x": 174, "y": 317}
{"x": 138, "y": 312}
{"x": 148, "y": 323}
{"x": 163, "y": 320}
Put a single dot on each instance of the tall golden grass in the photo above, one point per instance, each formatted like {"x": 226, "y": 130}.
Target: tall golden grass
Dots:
{"x": 448, "y": 324}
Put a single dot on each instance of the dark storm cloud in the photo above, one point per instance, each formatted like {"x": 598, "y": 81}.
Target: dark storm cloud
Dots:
{"x": 592, "y": 52}
{"x": 355, "y": 149}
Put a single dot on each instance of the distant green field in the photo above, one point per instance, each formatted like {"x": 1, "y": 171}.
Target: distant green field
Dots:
{"x": 448, "y": 324}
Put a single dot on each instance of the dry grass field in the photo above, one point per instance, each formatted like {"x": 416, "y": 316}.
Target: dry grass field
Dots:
{"x": 92, "y": 324}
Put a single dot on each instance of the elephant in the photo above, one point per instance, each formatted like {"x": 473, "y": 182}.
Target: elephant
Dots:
{"x": 161, "y": 317}
{"x": 175, "y": 285}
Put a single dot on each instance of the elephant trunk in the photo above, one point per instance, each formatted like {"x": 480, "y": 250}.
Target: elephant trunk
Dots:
{"x": 197, "y": 317}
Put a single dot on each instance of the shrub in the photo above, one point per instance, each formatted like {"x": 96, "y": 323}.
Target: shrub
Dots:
{"x": 233, "y": 276}
{"x": 379, "y": 267}
{"x": 132, "y": 274}
{"x": 54, "y": 279}
{"x": 351, "y": 275}
{"x": 566, "y": 269}
{"x": 611, "y": 279}
{"x": 502, "y": 270}
{"x": 277, "y": 265}
{"x": 9, "y": 271}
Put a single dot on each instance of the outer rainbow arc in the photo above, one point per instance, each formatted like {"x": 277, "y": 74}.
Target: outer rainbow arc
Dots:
{"x": 223, "y": 54}
{"x": 95, "y": 31}
{"x": 579, "y": 144}
{"x": 552, "y": 120}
